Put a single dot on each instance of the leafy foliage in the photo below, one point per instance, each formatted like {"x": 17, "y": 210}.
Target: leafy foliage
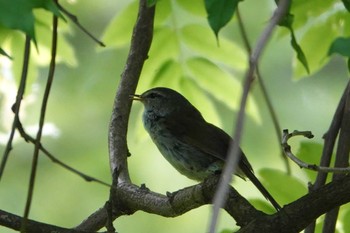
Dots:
{"x": 311, "y": 19}
{"x": 18, "y": 14}
{"x": 176, "y": 56}
{"x": 220, "y": 13}
{"x": 185, "y": 56}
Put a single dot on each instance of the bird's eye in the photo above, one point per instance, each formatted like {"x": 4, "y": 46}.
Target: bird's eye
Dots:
{"x": 154, "y": 95}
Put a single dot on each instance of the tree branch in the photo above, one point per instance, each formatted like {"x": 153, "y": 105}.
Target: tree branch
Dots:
{"x": 138, "y": 53}
{"x": 13, "y": 221}
{"x": 17, "y": 105}
{"x": 287, "y": 150}
{"x": 341, "y": 159}
{"x": 298, "y": 214}
{"x": 263, "y": 88}
{"x": 293, "y": 217}
{"x": 329, "y": 141}
{"x": 118, "y": 150}
{"x": 233, "y": 151}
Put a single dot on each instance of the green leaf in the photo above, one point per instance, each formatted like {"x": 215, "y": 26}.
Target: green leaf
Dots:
{"x": 262, "y": 204}
{"x": 208, "y": 47}
{"x": 18, "y": 14}
{"x": 300, "y": 54}
{"x": 227, "y": 89}
{"x": 287, "y": 22}
{"x": 168, "y": 74}
{"x": 316, "y": 53}
{"x": 340, "y": 46}
{"x": 2, "y": 52}
{"x": 119, "y": 30}
{"x": 200, "y": 100}
{"x": 195, "y": 7}
{"x": 151, "y": 3}
{"x": 346, "y": 4}
{"x": 284, "y": 187}
{"x": 310, "y": 152}
{"x": 219, "y": 13}
{"x": 346, "y": 222}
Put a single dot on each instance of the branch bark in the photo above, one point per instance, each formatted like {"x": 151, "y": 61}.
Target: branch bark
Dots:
{"x": 13, "y": 221}
{"x": 138, "y": 53}
{"x": 292, "y": 218}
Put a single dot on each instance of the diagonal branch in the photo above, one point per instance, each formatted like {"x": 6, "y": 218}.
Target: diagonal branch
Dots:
{"x": 81, "y": 27}
{"x": 30, "y": 139}
{"x": 17, "y": 105}
{"x": 233, "y": 152}
{"x": 41, "y": 123}
{"x": 263, "y": 88}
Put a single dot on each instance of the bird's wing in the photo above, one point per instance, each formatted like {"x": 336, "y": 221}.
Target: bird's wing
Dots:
{"x": 208, "y": 138}
{"x": 214, "y": 142}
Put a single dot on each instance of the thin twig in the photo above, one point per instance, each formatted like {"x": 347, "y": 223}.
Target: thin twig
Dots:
{"x": 233, "y": 153}
{"x": 263, "y": 89}
{"x": 30, "y": 139}
{"x": 287, "y": 150}
{"x": 41, "y": 123}
{"x": 76, "y": 21}
{"x": 17, "y": 105}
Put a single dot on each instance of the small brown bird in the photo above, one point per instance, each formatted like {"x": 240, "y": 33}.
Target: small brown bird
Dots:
{"x": 196, "y": 148}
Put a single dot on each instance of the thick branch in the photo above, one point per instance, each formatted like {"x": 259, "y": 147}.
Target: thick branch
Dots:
{"x": 297, "y": 215}
{"x": 140, "y": 44}
{"x": 118, "y": 150}
{"x": 341, "y": 159}
{"x": 294, "y": 217}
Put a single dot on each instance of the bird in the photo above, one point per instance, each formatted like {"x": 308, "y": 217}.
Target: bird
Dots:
{"x": 193, "y": 146}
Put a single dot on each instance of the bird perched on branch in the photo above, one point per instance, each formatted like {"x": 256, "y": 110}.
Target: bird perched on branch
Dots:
{"x": 196, "y": 148}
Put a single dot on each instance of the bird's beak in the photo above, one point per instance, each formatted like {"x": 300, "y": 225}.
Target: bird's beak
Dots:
{"x": 135, "y": 97}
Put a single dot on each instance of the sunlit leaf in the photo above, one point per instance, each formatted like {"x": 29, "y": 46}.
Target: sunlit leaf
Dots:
{"x": 346, "y": 222}
{"x": 168, "y": 75}
{"x": 119, "y": 30}
{"x": 284, "y": 187}
{"x": 200, "y": 100}
{"x": 310, "y": 153}
{"x": 208, "y": 47}
{"x": 193, "y": 7}
{"x": 221, "y": 84}
{"x": 316, "y": 53}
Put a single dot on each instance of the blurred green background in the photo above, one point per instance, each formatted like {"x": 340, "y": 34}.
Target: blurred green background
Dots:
{"x": 184, "y": 56}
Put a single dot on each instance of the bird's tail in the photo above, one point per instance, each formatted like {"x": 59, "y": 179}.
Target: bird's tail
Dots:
{"x": 250, "y": 174}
